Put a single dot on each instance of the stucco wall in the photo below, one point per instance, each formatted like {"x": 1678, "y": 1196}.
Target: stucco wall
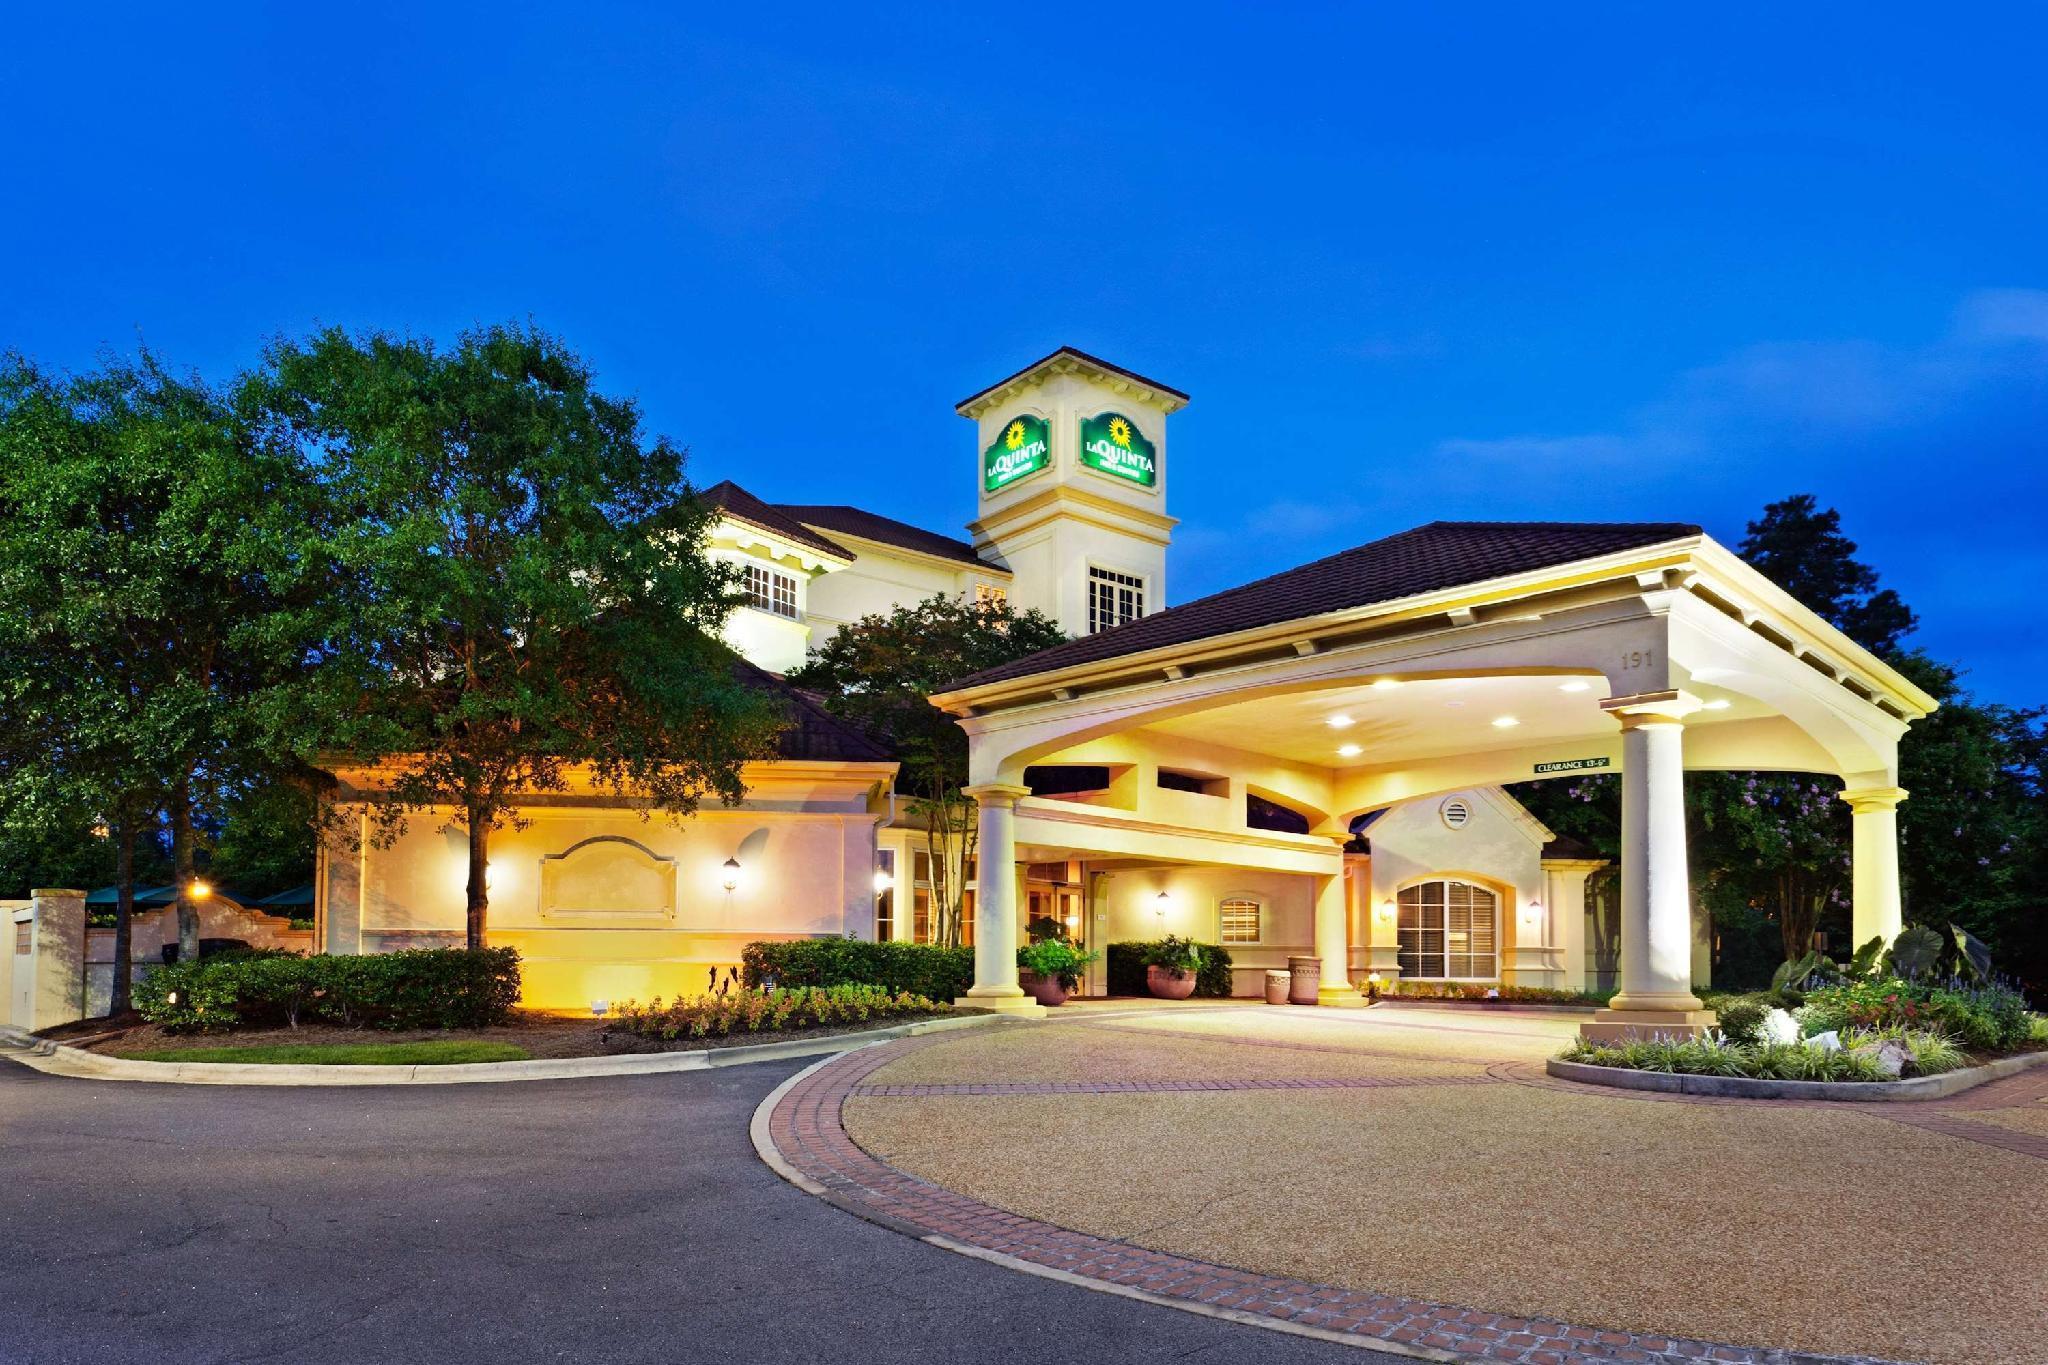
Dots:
{"x": 1128, "y": 907}
{"x": 605, "y": 906}
{"x": 1499, "y": 847}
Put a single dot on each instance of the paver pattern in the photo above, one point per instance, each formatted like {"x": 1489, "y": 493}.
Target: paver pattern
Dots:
{"x": 1187, "y": 1252}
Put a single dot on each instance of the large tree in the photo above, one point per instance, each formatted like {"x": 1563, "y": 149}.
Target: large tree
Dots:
{"x": 127, "y": 502}
{"x": 879, "y": 673}
{"x": 513, "y": 596}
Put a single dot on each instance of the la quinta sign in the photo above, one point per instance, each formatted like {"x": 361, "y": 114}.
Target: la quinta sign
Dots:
{"x": 1112, "y": 444}
{"x": 1021, "y": 448}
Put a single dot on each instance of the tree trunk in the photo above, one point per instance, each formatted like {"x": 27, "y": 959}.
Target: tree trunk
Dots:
{"x": 183, "y": 867}
{"x": 478, "y": 901}
{"x": 124, "y": 910}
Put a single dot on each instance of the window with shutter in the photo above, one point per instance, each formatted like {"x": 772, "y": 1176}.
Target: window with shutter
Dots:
{"x": 1238, "y": 921}
{"x": 1448, "y": 931}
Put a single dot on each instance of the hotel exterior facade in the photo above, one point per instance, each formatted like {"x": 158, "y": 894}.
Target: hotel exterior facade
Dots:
{"x": 1307, "y": 765}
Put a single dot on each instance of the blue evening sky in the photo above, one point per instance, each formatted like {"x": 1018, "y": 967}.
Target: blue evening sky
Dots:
{"x": 1558, "y": 261}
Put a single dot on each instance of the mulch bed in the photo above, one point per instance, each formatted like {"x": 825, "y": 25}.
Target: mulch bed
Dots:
{"x": 542, "y": 1035}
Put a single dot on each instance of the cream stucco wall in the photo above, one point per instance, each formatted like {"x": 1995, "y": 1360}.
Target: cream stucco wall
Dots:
{"x": 1127, "y": 907}
{"x": 603, "y": 905}
{"x": 883, "y": 577}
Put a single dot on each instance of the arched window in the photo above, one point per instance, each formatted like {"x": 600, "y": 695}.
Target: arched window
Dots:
{"x": 1240, "y": 919}
{"x": 1449, "y": 931}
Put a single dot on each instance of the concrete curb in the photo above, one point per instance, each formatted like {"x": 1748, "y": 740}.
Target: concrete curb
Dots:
{"x": 56, "y": 1059}
{"x": 1744, "y": 1088}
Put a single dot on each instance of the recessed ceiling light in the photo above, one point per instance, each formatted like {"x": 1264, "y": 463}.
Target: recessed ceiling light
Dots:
{"x": 1384, "y": 683}
{"x": 1349, "y": 751}
{"x": 1575, "y": 685}
{"x": 1505, "y": 722}
{"x": 1717, "y": 704}
{"x": 1340, "y": 722}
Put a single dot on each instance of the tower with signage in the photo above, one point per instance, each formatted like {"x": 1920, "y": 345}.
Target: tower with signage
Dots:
{"x": 1071, "y": 468}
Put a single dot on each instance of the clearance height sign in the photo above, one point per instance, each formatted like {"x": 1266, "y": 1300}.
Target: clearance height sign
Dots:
{"x": 1021, "y": 449}
{"x": 1111, "y": 444}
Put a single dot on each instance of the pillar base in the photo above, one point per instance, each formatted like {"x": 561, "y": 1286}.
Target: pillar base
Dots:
{"x": 1012, "y": 1002}
{"x": 1638, "y": 1024}
{"x": 1340, "y": 997}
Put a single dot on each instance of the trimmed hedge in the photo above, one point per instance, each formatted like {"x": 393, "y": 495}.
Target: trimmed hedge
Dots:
{"x": 1127, "y": 970}
{"x": 417, "y": 988}
{"x": 759, "y": 1011}
{"x": 941, "y": 974}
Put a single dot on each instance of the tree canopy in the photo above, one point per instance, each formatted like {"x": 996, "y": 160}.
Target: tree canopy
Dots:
{"x": 511, "y": 594}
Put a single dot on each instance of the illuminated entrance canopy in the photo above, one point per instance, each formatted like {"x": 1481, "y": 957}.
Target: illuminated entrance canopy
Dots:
{"x": 1111, "y": 444}
{"x": 1021, "y": 449}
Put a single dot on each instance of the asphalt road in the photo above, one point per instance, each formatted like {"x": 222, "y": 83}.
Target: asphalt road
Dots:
{"x": 615, "y": 1219}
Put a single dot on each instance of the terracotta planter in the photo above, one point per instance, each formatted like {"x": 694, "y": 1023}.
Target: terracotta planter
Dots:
{"x": 1169, "y": 985}
{"x": 1046, "y": 990}
{"x": 1276, "y": 987}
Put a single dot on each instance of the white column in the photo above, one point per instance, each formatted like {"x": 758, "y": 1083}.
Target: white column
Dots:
{"x": 995, "y": 911}
{"x": 1333, "y": 939}
{"x": 1656, "y": 893}
{"x": 1875, "y": 909}
{"x": 1564, "y": 893}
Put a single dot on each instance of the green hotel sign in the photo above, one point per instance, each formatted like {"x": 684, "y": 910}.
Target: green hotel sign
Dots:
{"x": 1021, "y": 449}
{"x": 1112, "y": 444}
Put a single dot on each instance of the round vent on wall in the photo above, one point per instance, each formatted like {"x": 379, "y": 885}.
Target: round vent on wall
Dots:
{"x": 1457, "y": 812}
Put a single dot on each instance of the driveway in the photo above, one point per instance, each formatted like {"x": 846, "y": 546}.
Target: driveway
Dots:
{"x": 613, "y": 1219}
{"x": 1425, "y": 1154}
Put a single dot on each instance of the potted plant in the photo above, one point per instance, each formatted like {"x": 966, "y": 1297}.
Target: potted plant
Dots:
{"x": 1170, "y": 967}
{"x": 1050, "y": 969}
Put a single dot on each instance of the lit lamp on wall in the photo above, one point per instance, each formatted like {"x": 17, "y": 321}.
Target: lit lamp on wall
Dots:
{"x": 732, "y": 875}
{"x": 199, "y": 890}
{"x": 1387, "y": 908}
{"x": 1159, "y": 905}
{"x": 1532, "y": 918}
{"x": 883, "y": 881}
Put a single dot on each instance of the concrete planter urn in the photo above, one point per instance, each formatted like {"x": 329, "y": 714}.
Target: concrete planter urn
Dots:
{"x": 1168, "y": 984}
{"x": 1046, "y": 990}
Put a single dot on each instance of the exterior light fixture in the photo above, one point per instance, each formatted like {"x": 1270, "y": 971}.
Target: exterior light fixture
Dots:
{"x": 1505, "y": 722}
{"x": 884, "y": 882}
{"x": 732, "y": 874}
{"x": 1382, "y": 684}
{"x": 1717, "y": 704}
{"x": 199, "y": 890}
{"x": 1372, "y": 985}
{"x": 1387, "y": 908}
{"x": 600, "y": 1008}
{"x": 1340, "y": 722}
{"x": 1575, "y": 685}
{"x": 1349, "y": 751}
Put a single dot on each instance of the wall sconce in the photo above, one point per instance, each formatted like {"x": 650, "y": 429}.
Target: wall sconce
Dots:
{"x": 199, "y": 890}
{"x": 884, "y": 883}
{"x": 732, "y": 874}
{"x": 1387, "y": 908}
{"x": 1159, "y": 904}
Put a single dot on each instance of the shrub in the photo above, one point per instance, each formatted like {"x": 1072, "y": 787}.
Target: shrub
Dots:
{"x": 767, "y": 1011}
{"x": 1128, "y": 960}
{"x": 1479, "y": 990}
{"x": 418, "y": 988}
{"x": 920, "y": 968}
{"x": 1742, "y": 1017}
{"x": 1988, "y": 1016}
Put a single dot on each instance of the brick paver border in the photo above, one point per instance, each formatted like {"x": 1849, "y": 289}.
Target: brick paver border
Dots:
{"x": 799, "y": 1131}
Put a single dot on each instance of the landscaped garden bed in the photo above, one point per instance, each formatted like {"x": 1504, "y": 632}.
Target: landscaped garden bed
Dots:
{"x": 1881, "y": 1020}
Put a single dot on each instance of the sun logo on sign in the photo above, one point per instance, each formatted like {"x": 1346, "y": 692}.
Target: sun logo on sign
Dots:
{"x": 1120, "y": 432}
{"x": 1014, "y": 437}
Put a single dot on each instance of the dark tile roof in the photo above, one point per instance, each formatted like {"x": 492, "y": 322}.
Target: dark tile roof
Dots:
{"x": 1432, "y": 558}
{"x": 851, "y": 521}
{"x": 814, "y": 735}
{"x": 1566, "y": 846}
{"x": 1080, "y": 355}
{"x": 737, "y": 503}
